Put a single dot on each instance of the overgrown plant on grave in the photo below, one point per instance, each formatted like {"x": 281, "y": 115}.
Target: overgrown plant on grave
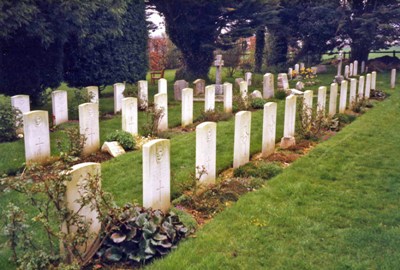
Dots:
{"x": 130, "y": 235}
{"x": 124, "y": 138}
{"x": 239, "y": 103}
{"x": 71, "y": 148}
{"x": 153, "y": 119}
{"x": 360, "y": 104}
{"x": 10, "y": 122}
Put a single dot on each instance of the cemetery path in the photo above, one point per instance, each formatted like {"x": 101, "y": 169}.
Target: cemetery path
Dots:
{"x": 335, "y": 208}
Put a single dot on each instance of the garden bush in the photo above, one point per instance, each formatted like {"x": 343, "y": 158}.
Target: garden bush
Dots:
{"x": 10, "y": 122}
{"x": 257, "y": 103}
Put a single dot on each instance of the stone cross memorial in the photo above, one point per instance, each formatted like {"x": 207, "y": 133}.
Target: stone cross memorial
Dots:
{"x": 321, "y": 100}
{"x": 118, "y": 96}
{"x": 93, "y": 92}
{"x": 75, "y": 190}
{"x": 269, "y": 129}
{"x": 209, "y": 98}
{"x": 129, "y": 115}
{"x": 199, "y": 86}
{"x": 268, "y": 85}
{"x": 206, "y": 155}
{"x": 161, "y": 103}
{"x": 333, "y": 99}
{"x": 288, "y": 139}
{"x": 162, "y": 86}
{"x": 143, "y": 94}
{"x": 157, "y": 175}
{"x": 218, "y": 63}
{"x": 367, "y": 86}
{"x": 343, "y": 96}
{"x": 361, "y": 84}
{"x": 178, "y": 86}
{"x": 36, "y": 136}
{"x": 187, "y": 107}
{"x": 241, "y": 149}
{"x": 393, "y": 78}
{"x": 353, "y": 92}
{"x": 89, "y": 126}
{"x": 227, "y": 97}
{"x": 59, "y": 103}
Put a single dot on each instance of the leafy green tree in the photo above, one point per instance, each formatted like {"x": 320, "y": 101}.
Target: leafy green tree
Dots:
{"x": 199, "y": 27}
{"x": 369, "y": 25}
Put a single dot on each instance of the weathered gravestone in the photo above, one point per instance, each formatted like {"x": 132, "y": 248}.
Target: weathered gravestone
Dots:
{"x": 268, "y": 86}
{"x": 297, "y": 68}
{"x": 143, "y": 94}
{"x": 355, "y": 66}
{"x": 209, "y": 98}
{"x": 256, "y": 94}
{"x": 162, "y": 86}
{"x": 248, "y": 77}
{"x": 113, "y": 148}
{"x": 362, "y": 66}
{"x": 93, "y": 93}
{"x": 373, "y": 80}
{"x": 290, "y": 73}
{"x": 241, "y": 151}
{"x": 351, "y": 69}
{"x": 36, "y": 136}
{"x": 178, "y": 86}
{"x": 161, "y": 105}
{"x": 199, "y": 86}
{"x": 206, "y": 147}
{"x": 288, "y": 139}
{"x": 343, "y": 96}
{"x": 227, "y": 97}
{"x": 89, "y": 126}
{"x": 283, "y": 81}
{"x": 269, "y": 129}
{"x": 321, "y": 100}
{"x": 187, "y": 107}
{"x": 361, "y": 84}
{"x": 118, "y": 96}
{"x": 353, "y": 92}
{"x": 299, "y": 85}
{"x": 243, "y": 90}
{"x": 59, "y": 104}
{"x": 75, "y": 190}
{"x": 157, "y": 175}
{"x": 218, "y": 63}
{"x": 393, "y": 78}
{"x": 129, "y": 115}
{"x": 333, "y": 99}
{"x": 367, "y": 86}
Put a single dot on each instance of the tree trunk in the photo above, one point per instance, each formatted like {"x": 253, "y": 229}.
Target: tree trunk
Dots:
{"x": 259, "y": 54}
{"x": 359, "y": 53}
{"x": 277, "y": 54}
{"x": 196, "y": 64}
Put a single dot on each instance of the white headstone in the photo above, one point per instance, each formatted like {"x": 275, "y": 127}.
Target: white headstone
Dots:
{"x": 59, "y": 102}
{"x": 302, "y": 66}
{"x": 89, "y": 126}
{"x": 283, "y": 81}
{"x": 36, "y": 136}
{"x": 333, "y": 99}
{"x": 290, "y": 73}
{"x": 355, "y": 66}
{"x": 361, "y": 84}
{"x": 362, "y": 67}
{"x": 241, "y": 149}
{"x": 227, "y": 97}
{"x": 21, "y": 102}
{"x": 351, "y": 69}
{"x": 353, "y": 92}
{"x": 243, "y": 90}
{"x": 297, "y": 68}
{"x": 157, "y": 175}
{"x": 113, "y": 148}
{"x": 343, "y": 96}
{"x": 130, "y": 115}
{"x": 290, "y": 122}
{"x": 209, "y": 98}
{"x": 161, "y": 103}
{"x": 80, "y": 174}
{"x": 346, "y": 72}
{"x": 367, "y": 86}
{"x": 299, "y": 85}
{"x": 373, "y": 80}
{"x": 143, "y": 94}
{"x": 268, "y": 85}
{"x": 393, "y": 78}
{"x": 256, "y": 94}
{"x": 206, "y": 147}
{"x": 178, "y": 86}
{"x": 187, "y": 107}
{"x": 93, "y": 92}
{"x": 247, "y": 77}
{"x": 162, "y": 86}
{"x": 269, "y": 129}
{"x": 321, "y": 100}
{"x": 314, "y": 70}
{"x": 118, "y": 96}
{"x": 199, "y": 86}
{"x": 307, "y": 104}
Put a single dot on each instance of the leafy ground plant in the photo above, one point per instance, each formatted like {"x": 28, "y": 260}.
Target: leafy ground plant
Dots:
{"x": 125, "y": 139}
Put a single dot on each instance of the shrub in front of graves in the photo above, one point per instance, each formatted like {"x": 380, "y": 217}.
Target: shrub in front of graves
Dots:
{"x": 280, "y": 94}
{"x": 239, "y": 103}
{"x": 264, "y": 170}
{"x": 345, "y": 118}
{"x": 9, "y": 116}
{"x": 125, "y": 139}
{"x": 257, "y": 103}
{"x": 153, "y": 118}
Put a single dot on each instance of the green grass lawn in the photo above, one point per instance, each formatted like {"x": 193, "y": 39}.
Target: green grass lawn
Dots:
{"x": 122, "y": 176}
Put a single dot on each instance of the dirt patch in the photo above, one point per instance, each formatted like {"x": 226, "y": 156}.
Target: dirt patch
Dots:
{"x": 283, "y": 157}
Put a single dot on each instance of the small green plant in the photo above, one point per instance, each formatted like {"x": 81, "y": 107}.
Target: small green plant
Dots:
{"x": 280, "y": 94}
{"x": 257, "y": 103}
{"x": 264, "y": 170}
{"x": 125, "y": 139}
{"x": 71, "y": 148}
{"x": 345, "y": 118}
{"x": 10, "y": 122}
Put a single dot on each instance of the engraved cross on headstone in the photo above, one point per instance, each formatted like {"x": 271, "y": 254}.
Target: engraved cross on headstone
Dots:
{"x": 245, "y": 137}
{"x": 39, "y": 146}
{"x": 218, "y": 63}
{"x": 89, "y": 133}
